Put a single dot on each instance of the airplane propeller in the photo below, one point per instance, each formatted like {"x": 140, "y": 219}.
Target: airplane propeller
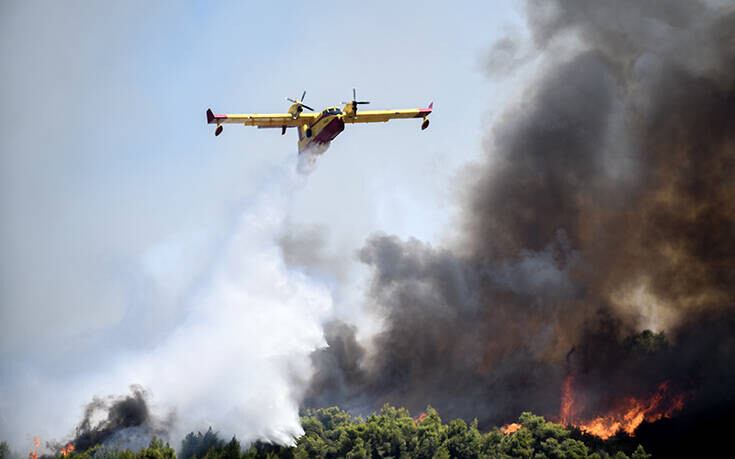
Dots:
{"x": 300, "y": 102}
{"x": 354, "y": 100}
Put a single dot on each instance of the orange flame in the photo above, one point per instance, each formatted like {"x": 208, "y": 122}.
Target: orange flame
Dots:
{"x": 420, "y": 418}
{"x": 510, "y": 428}
{"x": 67, "y": 449}
{"x": 36, "y": 444}
{"x": 567, "y": 401}
{"x": 627, "y": 415}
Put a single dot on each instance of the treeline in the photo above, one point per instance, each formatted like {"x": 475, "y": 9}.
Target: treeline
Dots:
{"x": 392, "y": 432}
{"x": 333, "y": 433}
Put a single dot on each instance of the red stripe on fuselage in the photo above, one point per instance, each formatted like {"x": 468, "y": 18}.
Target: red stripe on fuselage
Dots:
{"x": 330, "y": 131}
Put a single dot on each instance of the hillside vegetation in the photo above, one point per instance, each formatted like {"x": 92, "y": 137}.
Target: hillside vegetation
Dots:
{"x": 392, "y": 432}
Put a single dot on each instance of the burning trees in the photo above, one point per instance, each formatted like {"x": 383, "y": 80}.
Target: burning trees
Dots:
{"x": 604, "y": 209}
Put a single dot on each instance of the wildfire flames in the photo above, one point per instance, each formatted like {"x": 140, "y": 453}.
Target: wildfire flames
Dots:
{"x": 65, "y": 451}
{"x": 567, "y": 401}
{"x": 627, "y": 414}
{"x": 36, "y": 443}
{"x": 510, "y": 428}
{"x": 420, "y": 418}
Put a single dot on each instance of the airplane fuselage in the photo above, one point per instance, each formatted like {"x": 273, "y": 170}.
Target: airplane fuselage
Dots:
{"x": 317, "y": 135}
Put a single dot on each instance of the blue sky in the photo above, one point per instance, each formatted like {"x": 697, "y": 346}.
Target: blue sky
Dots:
{"x": 118, "y": 202}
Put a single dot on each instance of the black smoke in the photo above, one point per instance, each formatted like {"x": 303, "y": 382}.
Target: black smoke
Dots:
{"x": 118, "y": 422}
{"x": 605, "y": 206}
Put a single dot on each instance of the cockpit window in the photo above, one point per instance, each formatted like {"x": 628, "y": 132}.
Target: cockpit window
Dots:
{"x": 332, "y": 111}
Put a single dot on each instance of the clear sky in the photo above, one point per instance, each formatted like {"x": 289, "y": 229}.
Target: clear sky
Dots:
{"x": 118, "y": 203}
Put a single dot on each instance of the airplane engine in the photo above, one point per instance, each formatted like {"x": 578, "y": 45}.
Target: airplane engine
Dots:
{"x": 298, "y": 106}
{"x": 425, "y": 124}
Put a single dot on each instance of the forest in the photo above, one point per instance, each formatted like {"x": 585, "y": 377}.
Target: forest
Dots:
{"x": 390, "y": 433}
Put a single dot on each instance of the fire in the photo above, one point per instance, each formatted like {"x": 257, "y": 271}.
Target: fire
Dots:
{"x": 420, "y": 418}
{"x": 567, "y": 401}
{"x": 65, "y": 451}
{"x": 627, "y": 415}
{"x": 36, "y": 444}
{"x": 510, "y": 428}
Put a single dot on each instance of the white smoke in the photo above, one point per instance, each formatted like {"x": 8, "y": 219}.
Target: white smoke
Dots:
{"x": 238, "y": 360}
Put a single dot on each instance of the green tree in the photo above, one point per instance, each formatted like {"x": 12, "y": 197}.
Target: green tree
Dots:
{"x": 261, "y": 449}
{"x": 358, "y": 451}
{"x": 197, "y": 445}
{"x": 640, "y": 453}
{"x": 157, "y": 450}
{"x": 231, "y": 450}
{"x": 574, "y": 449}
{"x": 519, "y": 444}
{"x": 429, "y": 435}
{"x": 463, "y": 441}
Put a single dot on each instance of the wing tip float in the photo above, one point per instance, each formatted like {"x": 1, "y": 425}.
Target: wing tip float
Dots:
{"x": 212, "y": 119}
{"x": 426, "y": 112}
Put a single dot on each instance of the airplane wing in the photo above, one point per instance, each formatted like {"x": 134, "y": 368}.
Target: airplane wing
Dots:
{"x": 261, "y": 119}
{"x": 377, "y": 116}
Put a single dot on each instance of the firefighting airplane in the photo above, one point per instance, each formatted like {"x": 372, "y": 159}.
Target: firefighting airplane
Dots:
{"x": 317, "y": 130}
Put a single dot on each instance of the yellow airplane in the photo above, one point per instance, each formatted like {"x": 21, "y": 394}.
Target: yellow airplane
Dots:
{"x": 317, "y": 130}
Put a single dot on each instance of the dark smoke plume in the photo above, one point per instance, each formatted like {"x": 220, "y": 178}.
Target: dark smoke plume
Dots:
{"x": 120, "y": 422}
{"x": 606, "y": 206}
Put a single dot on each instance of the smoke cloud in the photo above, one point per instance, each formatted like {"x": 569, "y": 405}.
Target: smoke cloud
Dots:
{"x": 604, "y": 208}
{"x": 124, "y": 420}
{"x": 237, "y": 361}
